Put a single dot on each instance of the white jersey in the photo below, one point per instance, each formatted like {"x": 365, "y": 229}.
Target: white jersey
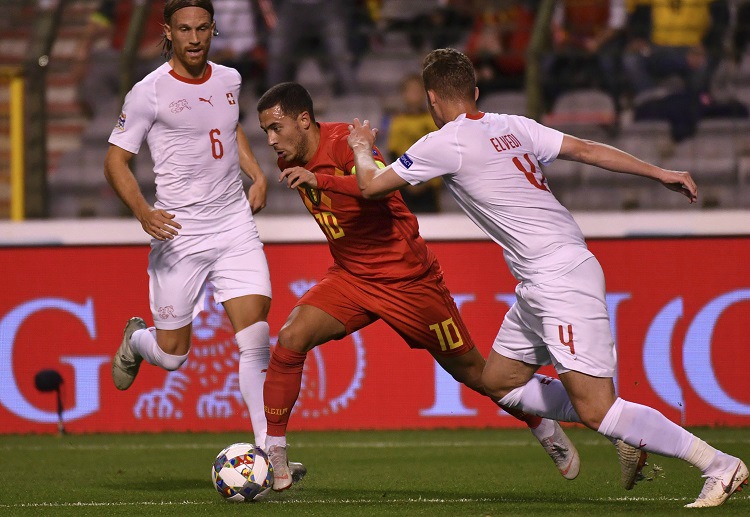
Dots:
{"x": 490, "y": 163}
{"x": 191, "y": 129}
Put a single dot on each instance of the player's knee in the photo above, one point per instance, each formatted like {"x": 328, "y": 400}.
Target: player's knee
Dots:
{"x": 171, "y": 362}
{"x": 471, "y": 379}
{"x": 294, "y": 338}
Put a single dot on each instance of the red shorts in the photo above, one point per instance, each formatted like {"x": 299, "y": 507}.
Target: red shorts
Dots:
{"x": 421, "y": 311}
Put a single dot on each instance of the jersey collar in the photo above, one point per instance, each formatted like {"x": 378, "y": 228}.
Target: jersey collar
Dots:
{"x": 200, "y": 80}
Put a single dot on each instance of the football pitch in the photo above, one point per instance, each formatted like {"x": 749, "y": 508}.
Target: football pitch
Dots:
{"x": 365, "y": 473}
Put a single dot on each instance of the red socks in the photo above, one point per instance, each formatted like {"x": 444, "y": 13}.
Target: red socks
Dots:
{"x": 282, "y": 386}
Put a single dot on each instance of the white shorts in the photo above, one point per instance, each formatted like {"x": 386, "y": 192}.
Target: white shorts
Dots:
{"x": 233, "y": 261}
{"x": 564, "y": 322}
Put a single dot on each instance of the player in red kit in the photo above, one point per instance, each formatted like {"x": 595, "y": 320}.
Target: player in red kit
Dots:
{"x": 382, "y": 270}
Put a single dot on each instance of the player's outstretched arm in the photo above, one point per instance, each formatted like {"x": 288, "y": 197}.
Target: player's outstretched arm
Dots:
{"x": 373, "y": 182}
{"x": 159, "y": 224}
{"x": 613, "y": 159}
{"x": 258, "y": 192}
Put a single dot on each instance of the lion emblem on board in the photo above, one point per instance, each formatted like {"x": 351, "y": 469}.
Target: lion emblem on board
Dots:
{"x": 207, "y": 385}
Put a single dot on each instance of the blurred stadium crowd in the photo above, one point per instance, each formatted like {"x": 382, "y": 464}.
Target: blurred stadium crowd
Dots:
{"x": 668, "y": 80}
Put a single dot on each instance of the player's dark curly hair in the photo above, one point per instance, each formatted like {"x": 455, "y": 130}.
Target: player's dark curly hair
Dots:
{"x": 449, "y": 73}
{"x": 171, "y": 7}
{"x": 291, "y": 97}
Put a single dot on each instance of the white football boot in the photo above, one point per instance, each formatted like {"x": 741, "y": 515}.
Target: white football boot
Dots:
{"x": 282, "y": 475}
{"x": 125, "y": 364}
{"x": 717, "y": 489}
{"x": 632, "y": 461}
{"x": 563, "y": 452}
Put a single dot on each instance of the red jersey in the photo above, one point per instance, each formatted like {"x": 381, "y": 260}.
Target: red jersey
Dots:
{"x": 370, "y": 238}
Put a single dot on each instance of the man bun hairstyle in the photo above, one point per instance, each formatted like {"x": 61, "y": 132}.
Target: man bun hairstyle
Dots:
{"x": 450, "y": 74}
{"x": 293, "y": 99}
{"x": 171, "y": 7}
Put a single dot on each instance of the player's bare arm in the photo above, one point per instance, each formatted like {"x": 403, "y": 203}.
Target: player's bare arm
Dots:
{"x": 298, "y": 177}
{"x": 613, "y": 159}
{"x": 258, "y": 191}
{"x": 159, "y": 224}
{"x": 373, "y": 182}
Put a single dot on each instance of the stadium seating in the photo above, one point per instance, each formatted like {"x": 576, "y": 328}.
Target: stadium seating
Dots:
{"x": 718, "y": 155}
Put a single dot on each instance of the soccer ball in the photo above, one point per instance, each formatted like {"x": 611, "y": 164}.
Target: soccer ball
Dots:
{"x": 242, "y": 473}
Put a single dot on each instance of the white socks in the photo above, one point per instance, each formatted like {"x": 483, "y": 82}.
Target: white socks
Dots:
{"x": 255, "y": 352}
{"x": 143, "y": 342}
{"x": 545, "y": 429}
{"x": 645, "y": 427}
{"x": 279, "y": 441}
{"x": 543, "y": 396}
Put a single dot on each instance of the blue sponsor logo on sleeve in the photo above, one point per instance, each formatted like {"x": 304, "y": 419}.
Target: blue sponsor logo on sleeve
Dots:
{"x": 406, "y": 161}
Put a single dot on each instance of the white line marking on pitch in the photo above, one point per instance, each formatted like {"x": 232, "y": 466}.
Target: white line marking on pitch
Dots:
{"x": 418, "y": 500}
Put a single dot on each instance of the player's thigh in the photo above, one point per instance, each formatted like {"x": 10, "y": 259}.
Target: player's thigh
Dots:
{"x": 240, "y": 267}
{"x": 340, "y": 296}
{"x": 572, "y": 313}
{"x": 177, "y": 271}
{"x": 244, "y": 311}
{"x": 424, "y": 314}
{"x": 591, "y": 396}
{"x": 519, "y": 338}
{"x": 307, "y": 327}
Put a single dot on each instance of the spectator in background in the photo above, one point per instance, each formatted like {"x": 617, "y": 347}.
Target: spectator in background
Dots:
{"x": 587, "y": 42}
{"x": 237, "y": 44}
{"x": 406, "y": 127}
{"x": 498, "y": 42}
{"x": 101, "y": 47}
{"x": 722, "y": 99}
{"x": 428, "y": 23}
{"x": 309, "y": 24}
{"x": 669, "y": 61}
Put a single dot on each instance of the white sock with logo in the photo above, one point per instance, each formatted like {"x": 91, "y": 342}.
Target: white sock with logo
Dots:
{"x": 646, "y": 428}
{"x": 255, "y": 352}
{"x": 543, "y": 396}
{"x": 143, "y": 342}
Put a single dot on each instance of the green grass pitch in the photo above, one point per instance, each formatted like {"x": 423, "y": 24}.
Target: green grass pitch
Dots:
{"x": 365, "y": 473}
